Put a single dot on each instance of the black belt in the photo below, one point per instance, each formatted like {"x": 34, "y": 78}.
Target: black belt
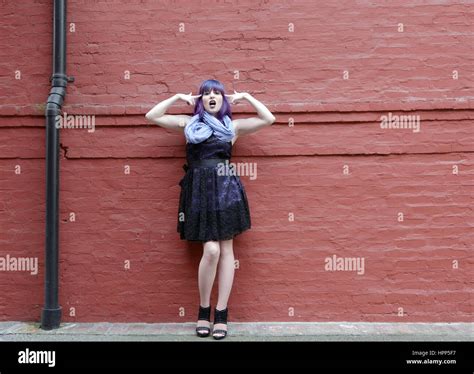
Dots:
{"x": 206, "y": 163}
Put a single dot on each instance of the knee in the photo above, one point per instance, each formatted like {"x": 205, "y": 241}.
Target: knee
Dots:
{"x": 227, "y": 252}
{"x": 212, "y": 251}
{"x": 226, "y": 248}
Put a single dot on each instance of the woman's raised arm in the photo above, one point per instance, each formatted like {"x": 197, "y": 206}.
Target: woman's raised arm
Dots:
{"x": 249, "y": 125}
{"x": 173, "y": 122}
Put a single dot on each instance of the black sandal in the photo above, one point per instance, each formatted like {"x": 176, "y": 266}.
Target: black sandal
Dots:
{"x": 204, "y": 315}
{"x": 220, "y": 316}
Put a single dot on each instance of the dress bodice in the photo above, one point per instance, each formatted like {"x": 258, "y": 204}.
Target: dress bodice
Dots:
{"x": 212, "y": 147}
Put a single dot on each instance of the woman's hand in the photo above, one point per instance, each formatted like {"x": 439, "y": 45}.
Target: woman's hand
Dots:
{"x": 190, "y": 99}
{"x": 236, "y": 96}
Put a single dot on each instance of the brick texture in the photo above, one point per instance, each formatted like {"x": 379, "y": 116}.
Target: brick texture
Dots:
{"x": 333, "y": 184}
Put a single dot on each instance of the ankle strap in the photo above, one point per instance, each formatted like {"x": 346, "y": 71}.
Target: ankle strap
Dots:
{"x": 220, "y": 316}
{"x": 204, "y": 313}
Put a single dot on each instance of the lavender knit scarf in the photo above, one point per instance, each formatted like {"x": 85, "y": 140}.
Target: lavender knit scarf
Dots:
{"x": 197, "y": 131}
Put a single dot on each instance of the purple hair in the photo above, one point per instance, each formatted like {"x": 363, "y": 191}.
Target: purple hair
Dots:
{"x": 212, "y": 84}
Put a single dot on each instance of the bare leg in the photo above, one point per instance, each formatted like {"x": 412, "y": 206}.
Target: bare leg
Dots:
{"x": 226, "y": 271}
{"x": 207, "y": 273}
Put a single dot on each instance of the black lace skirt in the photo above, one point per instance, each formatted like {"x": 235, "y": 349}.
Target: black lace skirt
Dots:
{"x": 211, "y": 206}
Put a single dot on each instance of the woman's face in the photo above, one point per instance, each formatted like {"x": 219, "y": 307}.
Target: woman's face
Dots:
{"x": 212, "y": 101}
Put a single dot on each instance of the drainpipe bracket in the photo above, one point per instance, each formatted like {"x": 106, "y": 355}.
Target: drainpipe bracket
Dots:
{"x": 60, "y": 80}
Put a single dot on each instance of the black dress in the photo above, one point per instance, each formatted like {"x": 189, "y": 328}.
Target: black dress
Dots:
{"x": 212, "y": 205}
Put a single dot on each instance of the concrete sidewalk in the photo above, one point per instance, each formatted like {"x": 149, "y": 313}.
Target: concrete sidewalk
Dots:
{"x": 261, "y": 331}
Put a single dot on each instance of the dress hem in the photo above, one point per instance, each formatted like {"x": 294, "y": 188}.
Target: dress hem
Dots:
{"x": 215, "y": 240}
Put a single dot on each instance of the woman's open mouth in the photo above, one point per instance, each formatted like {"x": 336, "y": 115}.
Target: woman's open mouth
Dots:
{"x": 212, "y": 104}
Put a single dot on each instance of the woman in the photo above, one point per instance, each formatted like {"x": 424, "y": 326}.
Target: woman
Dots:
{"x": 213, "y": 208}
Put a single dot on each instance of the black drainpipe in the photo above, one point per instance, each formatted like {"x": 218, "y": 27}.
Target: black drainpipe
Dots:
{"x": 51, "y": 313}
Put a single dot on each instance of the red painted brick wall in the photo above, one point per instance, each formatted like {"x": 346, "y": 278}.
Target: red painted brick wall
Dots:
{"x": 332, "y": 69}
